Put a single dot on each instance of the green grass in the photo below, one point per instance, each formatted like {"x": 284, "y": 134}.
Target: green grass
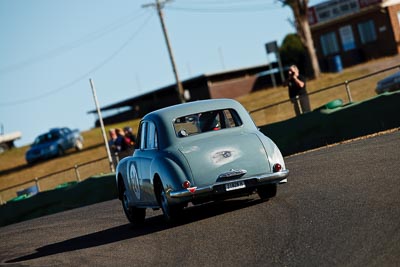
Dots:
{"x": 14, "y": 170}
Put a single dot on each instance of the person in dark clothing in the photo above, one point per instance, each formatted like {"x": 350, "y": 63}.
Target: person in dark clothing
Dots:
{"x": 111, "y": 141}
{"x": 130, "y": 138}
{"x": 122, "y": 146}
{"x": 120, "y": 142}
{"x": 297, "y": 91}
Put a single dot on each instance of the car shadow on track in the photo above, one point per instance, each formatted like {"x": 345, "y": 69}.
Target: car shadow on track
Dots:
{"x": 127, "y": 231}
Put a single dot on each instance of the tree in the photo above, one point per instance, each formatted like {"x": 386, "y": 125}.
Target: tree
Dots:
{"x": 292, "y": 51}
{"x": 300, "y": 12}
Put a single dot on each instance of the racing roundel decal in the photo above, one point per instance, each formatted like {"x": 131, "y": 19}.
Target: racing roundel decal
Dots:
{"x": 134, "y": 180}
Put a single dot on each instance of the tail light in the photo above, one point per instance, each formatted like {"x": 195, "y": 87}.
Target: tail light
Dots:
{"x": 186, "y": 184}
{"x": 277, "y": 167}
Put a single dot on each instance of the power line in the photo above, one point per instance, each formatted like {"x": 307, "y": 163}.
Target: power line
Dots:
{"x": 231, "y": 6}
{"x": 207, "y": 10}
{"x": 221, "y": 10}
{"x": 90, "y": 37}
{"x": 83, "y": 76}
{"x": 223, "y": 2}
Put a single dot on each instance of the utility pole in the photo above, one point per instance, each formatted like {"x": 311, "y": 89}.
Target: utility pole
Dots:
{"x": 179, "y": 88}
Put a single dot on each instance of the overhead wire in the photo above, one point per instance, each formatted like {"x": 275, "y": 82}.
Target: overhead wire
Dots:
{"x": 220, "y": 2}
{"x": 222, "y": 6}
{"x": 90, "y": 37}
{"x": 238, "y": 6}
{"x": 214, "y": 10}
{"x": 85, "y": 75}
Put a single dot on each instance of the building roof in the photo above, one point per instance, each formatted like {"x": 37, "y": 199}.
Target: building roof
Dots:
{"x": 188, "y": 83}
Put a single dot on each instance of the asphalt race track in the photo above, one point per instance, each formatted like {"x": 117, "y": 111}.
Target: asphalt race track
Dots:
{"x": 341, "y": 207}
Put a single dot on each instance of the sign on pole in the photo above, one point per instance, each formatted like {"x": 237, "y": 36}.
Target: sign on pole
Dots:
{"x": 272, "y": 47}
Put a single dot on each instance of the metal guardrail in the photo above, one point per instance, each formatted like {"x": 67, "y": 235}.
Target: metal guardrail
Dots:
{"x": 346, "y": 84}
{"x": 37, "y": 180}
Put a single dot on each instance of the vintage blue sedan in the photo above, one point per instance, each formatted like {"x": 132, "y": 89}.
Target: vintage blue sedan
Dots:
{"x": 197, "y": 152}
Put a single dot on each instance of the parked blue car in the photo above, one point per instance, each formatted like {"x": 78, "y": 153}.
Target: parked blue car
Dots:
{"x": 389, "y": 84}
{"x": 53, "y": 144}
{"x": 197, "y": 152}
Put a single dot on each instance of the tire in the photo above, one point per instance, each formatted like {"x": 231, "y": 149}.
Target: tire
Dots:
{"x": 171, "y": 213}
{"x": 135, "y": 216}
{"x": 3, "y": 148}
{"x": 60, "y": 151}
{"x": 78, "y": 145}
{"x": 267, "y": 191}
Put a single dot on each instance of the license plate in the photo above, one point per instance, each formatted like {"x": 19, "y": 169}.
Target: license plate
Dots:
{"x": 235, "y": 185}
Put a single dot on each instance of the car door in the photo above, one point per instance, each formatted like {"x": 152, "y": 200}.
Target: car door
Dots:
{"x": 68, "y": 138}
{"x": 148, "y": 149}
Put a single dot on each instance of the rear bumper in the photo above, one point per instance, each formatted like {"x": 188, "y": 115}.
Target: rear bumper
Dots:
{"x": 254, "y": 181}
{"x": 41, "y": 156}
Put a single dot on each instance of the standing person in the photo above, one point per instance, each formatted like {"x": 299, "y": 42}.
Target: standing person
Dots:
{"x": 129, "y": 136}
{"x": 120, "y": 143}
{"x": 297, "y": 91}
{"x": 111, "y": 144}
{"x": 113, "y": 138}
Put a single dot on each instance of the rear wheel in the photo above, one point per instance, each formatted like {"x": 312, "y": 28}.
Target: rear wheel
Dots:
{"x": 135, "y": 216}
{"x": 171, "y": 212}
{"x": 3, "y": 147}
{"x": 267, "y": 191}
{"x": 60, "y": 151}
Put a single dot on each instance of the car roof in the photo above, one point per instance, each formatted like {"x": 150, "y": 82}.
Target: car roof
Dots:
{"x": 172, "y": 112}
{"x": 165, "y": 116}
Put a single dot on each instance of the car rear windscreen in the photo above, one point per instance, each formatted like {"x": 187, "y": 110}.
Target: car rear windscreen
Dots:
{"x": 213, "y": 120}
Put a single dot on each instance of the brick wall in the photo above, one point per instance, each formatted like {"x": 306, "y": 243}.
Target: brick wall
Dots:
{"x": 395, "y": 20}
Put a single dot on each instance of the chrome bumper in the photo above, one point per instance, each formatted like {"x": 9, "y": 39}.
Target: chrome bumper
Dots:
{"x": 276, "y": 177}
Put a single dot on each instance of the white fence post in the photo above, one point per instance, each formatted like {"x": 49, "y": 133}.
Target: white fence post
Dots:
{"x": 78, "y": 176}
{"x": 37, "y": 184}
{"x": 348, "y": 91}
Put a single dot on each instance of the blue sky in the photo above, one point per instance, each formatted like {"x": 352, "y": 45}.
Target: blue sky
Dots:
{"x": 50, "y": 48}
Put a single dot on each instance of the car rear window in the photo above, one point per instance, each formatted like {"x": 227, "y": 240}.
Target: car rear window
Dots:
{"x": 206, "y": 121}
{"x": 47, "y": 137}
